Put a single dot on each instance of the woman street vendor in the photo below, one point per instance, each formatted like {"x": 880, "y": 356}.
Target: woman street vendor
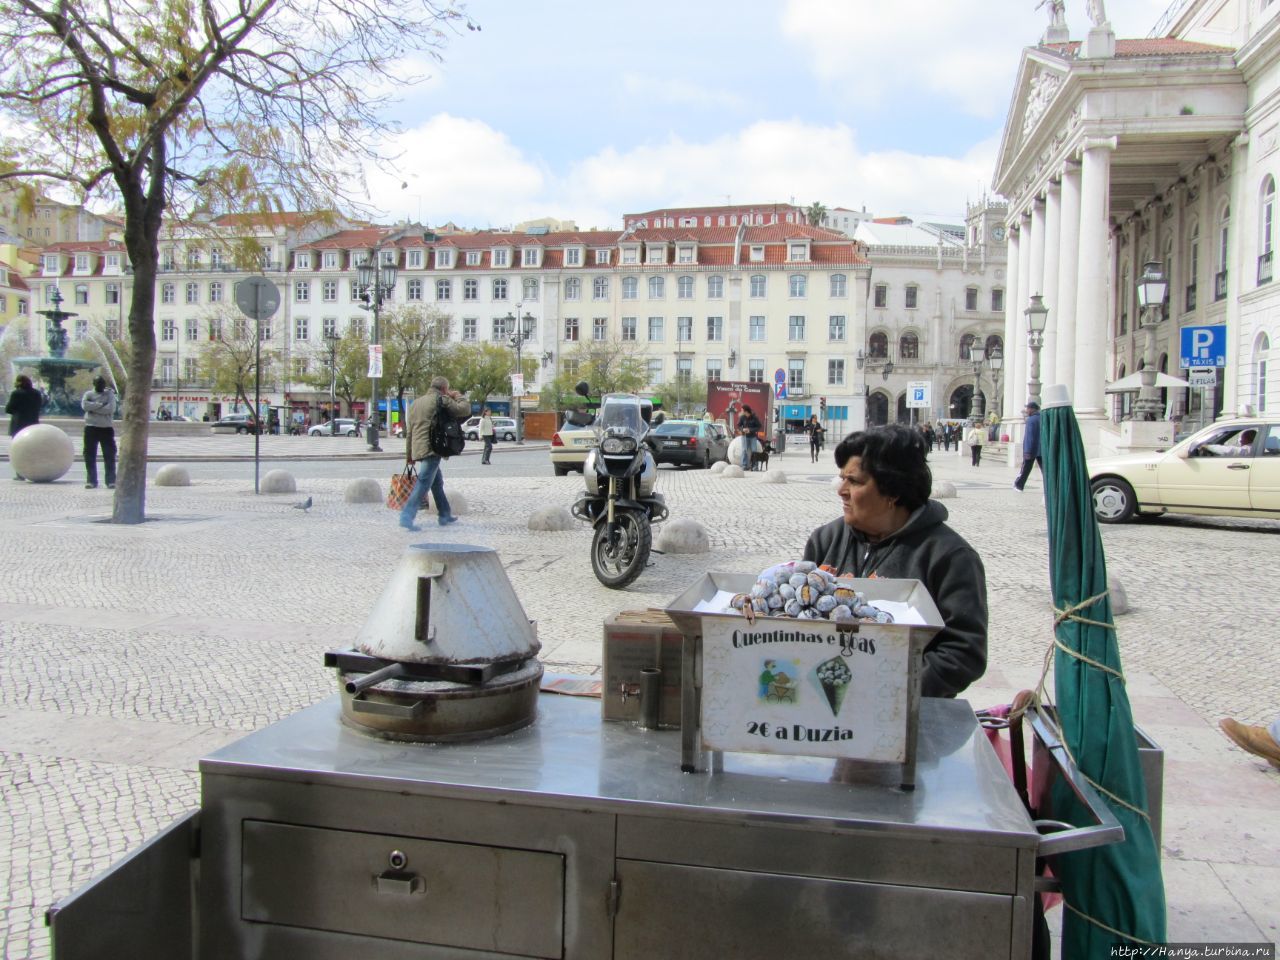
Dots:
{"x": 891, "y": 529}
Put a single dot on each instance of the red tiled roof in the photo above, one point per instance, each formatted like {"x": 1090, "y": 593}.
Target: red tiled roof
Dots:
{"x": 83, "y": 246}
{"x": 1147, "y": 47}
{"x": 284, "y": 218}
{"x": 782, "y": 232}
{"x": 349, "y": 239}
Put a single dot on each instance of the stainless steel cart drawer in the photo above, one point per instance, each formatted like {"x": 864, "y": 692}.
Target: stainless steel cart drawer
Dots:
{"x": 452, "y": 894}
{"x": 663, "y": 911}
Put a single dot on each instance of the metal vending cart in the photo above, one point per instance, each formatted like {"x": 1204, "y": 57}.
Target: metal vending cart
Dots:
{"x": 563, "y": 837}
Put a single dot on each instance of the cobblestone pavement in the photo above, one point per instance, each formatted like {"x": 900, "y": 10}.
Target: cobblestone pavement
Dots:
{"x": 127, "y": 653}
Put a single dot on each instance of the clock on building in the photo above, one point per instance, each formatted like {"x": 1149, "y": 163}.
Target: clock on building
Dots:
{"x": 997, "y": 234}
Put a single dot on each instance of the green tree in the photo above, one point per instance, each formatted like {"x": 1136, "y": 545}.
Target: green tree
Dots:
{"x": 231, "y": 362}
{"x": 481, "y": 370}
{"x": 184, "y": 106}
{"x": 815, "y": 213}
{"x": 415, "y": 339}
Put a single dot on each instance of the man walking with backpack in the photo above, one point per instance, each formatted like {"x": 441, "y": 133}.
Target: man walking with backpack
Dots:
{"x": 424, "y": 443}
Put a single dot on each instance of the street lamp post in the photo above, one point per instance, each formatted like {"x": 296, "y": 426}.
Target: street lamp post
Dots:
{"x": 977, "y": 354}
{"x": 1037, "y": 319}
{"x": 1152, "y": 287}
{"x": 996, "y": 362}
{"x": 376, "y": 282}
{"x": 520, "y": 332}
{"x": 331, "y": 342}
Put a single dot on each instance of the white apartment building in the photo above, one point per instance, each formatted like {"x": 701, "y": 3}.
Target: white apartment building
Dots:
{"x": 1120, "y": 152}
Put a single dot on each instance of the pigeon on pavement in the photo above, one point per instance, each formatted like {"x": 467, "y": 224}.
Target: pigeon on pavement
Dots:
{"x": 304, "y": 506}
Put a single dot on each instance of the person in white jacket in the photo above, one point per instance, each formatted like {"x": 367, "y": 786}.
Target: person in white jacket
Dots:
{"x": 975, "y": 437}
{"x": 99, "y": 406}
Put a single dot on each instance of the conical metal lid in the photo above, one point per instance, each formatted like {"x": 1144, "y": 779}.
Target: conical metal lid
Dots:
{"x": 449, "y": 603}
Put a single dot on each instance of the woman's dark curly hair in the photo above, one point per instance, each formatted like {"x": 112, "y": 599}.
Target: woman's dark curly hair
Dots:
{"x": 895, "y": 457}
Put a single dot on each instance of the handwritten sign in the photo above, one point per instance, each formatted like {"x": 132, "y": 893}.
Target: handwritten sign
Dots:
{"x": 805, "y": 687}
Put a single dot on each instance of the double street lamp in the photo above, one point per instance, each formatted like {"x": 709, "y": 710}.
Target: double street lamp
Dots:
{"x": 375, "y": 283}
{"x": 977, "y": 353}
{"x": 1037, "y": 319}
{"x": 996, "y": 362}
{"x": 521, "y": 330}
{"x": 331, "y": 344}
{"x": 1152, "y": 287}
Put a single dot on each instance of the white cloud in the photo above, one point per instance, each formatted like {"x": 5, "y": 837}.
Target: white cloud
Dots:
{"x": 679, "y": 92}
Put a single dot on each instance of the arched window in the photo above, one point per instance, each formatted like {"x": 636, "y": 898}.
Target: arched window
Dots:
{"x": 799, "y": 284}
{"x": 1122, "y": 313}
{"x": 966, "y": 346}
{"x": 684, "y": 288}
{"x": 1266, "y": 225}
{"x": 878, "y": 346}
{"x": 1261, "y": 352}
{"x": 600, "y": 288}
{"x": 1193, "y": 265}
{"x": 1224, "y": 233}
{"x": 839, "y": 284}
{"x": 909, "y": 347}
{"x": 657, "y": 288}
{"x": 877, "y": 409}
{"x": 995, "y": 342}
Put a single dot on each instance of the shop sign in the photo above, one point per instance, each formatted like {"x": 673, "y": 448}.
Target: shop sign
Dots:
{"x": 805, "y": 687}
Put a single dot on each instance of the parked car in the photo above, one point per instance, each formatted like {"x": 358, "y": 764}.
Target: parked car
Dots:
{"x": 695, "y": 443}
{"x": 1229, "y": 469}
{"x": 504, "y": 428}
{"x": 569, "y": 448}
{"x": 340, "y": 427}
{"x": 235, "y": 423}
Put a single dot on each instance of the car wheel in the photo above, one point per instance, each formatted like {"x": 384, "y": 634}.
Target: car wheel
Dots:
{"x": 473, "y": 436}
{"x": 561, "y": 471}
{"x": 352, "y": 433}
{"x": 1113, "y": 500}
{"x": 509, "y": 436}
{"x": 242, "y": 429}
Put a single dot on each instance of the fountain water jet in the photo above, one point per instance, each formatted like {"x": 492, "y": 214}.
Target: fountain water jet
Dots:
{"x": 55, "y": 369}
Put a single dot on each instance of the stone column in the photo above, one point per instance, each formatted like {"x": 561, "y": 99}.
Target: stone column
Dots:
{"x": 1052, "y": 231}
{"x": 1240, "y": 277}
{"x": 1035, "y": 284}
{"x": 1091, "y": 288}
{"x": 1064, "y": 361}
{"x": 1018, "y": 373}
{"x": 1012, "y": 323}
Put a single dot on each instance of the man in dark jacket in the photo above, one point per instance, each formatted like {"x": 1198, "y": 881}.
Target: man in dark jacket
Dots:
{"x": 23, "y": 408}
{"x": 891, "y": 529}
{"x": 1030, "y": 445}
{"x": 749, "y": 426}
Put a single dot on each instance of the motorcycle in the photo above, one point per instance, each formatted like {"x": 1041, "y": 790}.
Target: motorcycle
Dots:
{"x": 620, "y": 501}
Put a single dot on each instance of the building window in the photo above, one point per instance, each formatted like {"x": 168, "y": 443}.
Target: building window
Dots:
{"x": 414, "y": 259}
{"x": 796, "y": 251}
{"x": 82, "y": 328}
{"x": 835, "y": 327}
{"x": 469, "y": 329}
{"x": 684, "y": 288}
{"x": 193, "y": 329}
{"x": 473, "y": 258}
{"x": 756, "y": 329}
{"x": 757, "y": 254}
{"x": 571, "y": 328}
{"x": 498, "y": 329}
{"x": 215, "y": 291}
{"x": 755, "y": 371}
{"x": 971, "y": 298}
{"x": 657, "y": 288}
{"x": 997, "y": 300}
{"x": 715, "y": 288}
{"x": 573, "y": 257}
{"x": 684, "y": 329}
{"x": 329, "y": 328}
{"x": 966, "y": 346}
{"x": 715, "y": 329}
{"x": 684, "y": 254}
{"x": 82, "y": 294}
{"x": 628, "y": 328}
{"x": 713, "y": 370}
{"x": 266, "y": 331}
{"x": 600, "y": 288}
{"x": 302, "y": 291}
{"x": 881, "y": 295}
{"x": 656, "y": 253}
{"x": 795, "y": 376}
{"x": 190, "y": 368}
{"x": 599, "y": 328}
{"x": 82, "y": 263}
{"x": 839, "y": 285}
{"x": 878, "y": 346}
{"x": 168, "y": 330}
{"x": 301, "y": 328}
{"x": 912, "y": 296}
{"x": 470, "y": 289}
{"x": 655, "y": 330}
{"x": 630, "y": 288}
{"x": 758, "y": 286}
{"x": 329, "y": 291}
{"x": 413, "y": 289}
{"x": 501, "y": 257}
{"x": 603, "y": 257}
{"x": 573, "y": 288}
{"x": 1220, "y": 279}
{"x": 168, "y": 293}
{"x": 444, "y": 289}
{"x": 1260, "y": 399}
{"x": 795, "y": 328}
{"x": 909, "y": 347}
{"x": 655, "y": 373}
{"x": 630, "y": 255}
{"x": 684, "y": 370}
{"x": 444, "y": 258}
{"x": 799, "y": 285}
{"x": 500, "y": 289}
{"x": 355, "y": 327}
{"x": 112, "y": 292}
{"x": 835, "y": 373}
{"x": 167, "y": 369}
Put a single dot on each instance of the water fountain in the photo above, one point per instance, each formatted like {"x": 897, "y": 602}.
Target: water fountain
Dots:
{"x": 55, "y": 369}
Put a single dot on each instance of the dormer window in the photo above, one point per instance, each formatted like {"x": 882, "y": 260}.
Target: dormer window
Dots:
{"x": 686, "y": 253}
{"x": 329, "y": 259}
{"x": 573, "y": 257}
{"x": 473, "y": 258}
{"x": 502, "y": 257}
{"x": 193, "y": 259}
{"x": 797, "y": 251}
{"x": 415, "y": 259}
{"x": 531, "y": 257}
{"x": 51, "y": 262}
{"x": 82, "y": 263}
{"x": 630, "y": 254}
{"x": 302, "y": 261}
{"x": 390, "y": 257}
{"x": 602, "y": 258}
{"x": 757, "y": 254}
{"x": 657, "y": 253}
{"x": 215, "y": 258}
{"x": 444, "y": 257}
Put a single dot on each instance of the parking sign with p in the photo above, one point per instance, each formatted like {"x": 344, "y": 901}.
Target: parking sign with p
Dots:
{"x": 1204, "y": 347}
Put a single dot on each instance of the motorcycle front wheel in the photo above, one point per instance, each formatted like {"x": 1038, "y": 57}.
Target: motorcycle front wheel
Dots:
{"x": 618, "y": 556}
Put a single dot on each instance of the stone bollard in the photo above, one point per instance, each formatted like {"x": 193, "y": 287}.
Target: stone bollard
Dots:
{"x": 732, "y": 472}
{"x": 458, "y": 504}
{"x": 683, "y": 536}
{"x": 278, "y": 481}
{"x": 1119, "y": 597}
{"x": 774, "y": 476}
{"x": 943, "y": 490}
{"x": 362, "y": 490}
{"x": 172, "y": 475}
{"x": 41, "y": 452}
{"x": 548, "y": 519}
{"x": 718, "y": 467}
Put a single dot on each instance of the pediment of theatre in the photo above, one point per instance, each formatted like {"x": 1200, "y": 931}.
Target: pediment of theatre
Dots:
{"x": 1042, "y": 76}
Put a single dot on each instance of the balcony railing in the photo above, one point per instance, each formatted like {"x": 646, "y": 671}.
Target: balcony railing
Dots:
{"x": 798, "y": 390}
{"x": 1220, "y": 285}
{"x": 1191, "y": 296}
{"x": 1264, "y": 268}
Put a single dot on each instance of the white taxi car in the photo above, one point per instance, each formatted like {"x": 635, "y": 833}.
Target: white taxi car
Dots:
{"x": 1229, "y": 469}
{"x": 569, "y": 448}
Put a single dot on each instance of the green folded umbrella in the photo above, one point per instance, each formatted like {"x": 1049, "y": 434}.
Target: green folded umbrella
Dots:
{"x": 1117, "y": 887}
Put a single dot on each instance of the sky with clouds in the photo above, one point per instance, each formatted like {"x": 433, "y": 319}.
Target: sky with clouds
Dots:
{"x": 585, "y": 110}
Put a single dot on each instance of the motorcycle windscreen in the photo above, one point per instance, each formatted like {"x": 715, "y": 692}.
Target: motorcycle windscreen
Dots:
{"x": 140, "y": 909}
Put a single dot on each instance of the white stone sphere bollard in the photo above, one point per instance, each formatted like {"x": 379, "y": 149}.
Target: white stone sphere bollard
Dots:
{"x": 943, "y": 490}
{"x": 732, "y": 472}
{"x": 458, "y": 504}
{"x": 172, "y": 475}
{"x": 735, "y": 450}
{"x": 278, "y": 481}
{"x": 683, "y": 536}
{"x": 774, "y": 476}
{"x": 835, "y": 483}
{"x": 548, "y": 519}
{"x": 1119, "y": 598}
{"x": 362, "y": 490}
{"x": 41, "y": 452}
{"x": 717, "y": 468}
